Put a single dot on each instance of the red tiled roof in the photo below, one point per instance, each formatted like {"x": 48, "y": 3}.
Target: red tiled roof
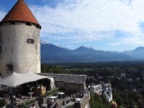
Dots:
{"x": 20, "y": 12}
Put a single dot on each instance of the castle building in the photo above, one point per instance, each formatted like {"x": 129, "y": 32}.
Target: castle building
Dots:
{"x": 19, "y": 41}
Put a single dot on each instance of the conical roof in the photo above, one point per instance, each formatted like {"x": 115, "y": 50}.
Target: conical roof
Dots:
{"x": 20, "y": 12}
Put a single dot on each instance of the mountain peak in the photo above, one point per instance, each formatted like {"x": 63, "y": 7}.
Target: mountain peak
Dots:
{"x": 52, "y": 53}
{"x": 60, "y": 46}
{"x": 139, "y": 49}
{"x": 43, "y": 42}
{"x": 84, "y": 48}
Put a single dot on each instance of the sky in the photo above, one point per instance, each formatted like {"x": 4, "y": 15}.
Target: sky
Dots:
{"x": 113, "y": 25}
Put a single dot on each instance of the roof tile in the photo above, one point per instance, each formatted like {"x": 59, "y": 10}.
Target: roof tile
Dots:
{"x": 20, "y": 12}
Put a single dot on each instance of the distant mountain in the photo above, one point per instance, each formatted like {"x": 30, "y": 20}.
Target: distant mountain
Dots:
{"x": 139, "y": 49}
{"x": 137, "y": 53}
{"x": 84, "y": 49}
{"x": 53, "y": 54}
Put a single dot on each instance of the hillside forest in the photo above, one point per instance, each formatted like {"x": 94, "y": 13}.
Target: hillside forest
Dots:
{"x": 127, "y": 79}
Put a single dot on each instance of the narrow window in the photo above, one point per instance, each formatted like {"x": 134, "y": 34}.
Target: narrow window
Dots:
{"x": 28, "y": 23}
{"x": 37, "y": 26}
{"x": 30, "y": 41}
{"x": 9, "y": 67}
{"x": 12, "y": 22}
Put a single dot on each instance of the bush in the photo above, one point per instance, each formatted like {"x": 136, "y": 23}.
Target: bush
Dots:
{"x": 2, "y": 103}
{"x": 51, "y": 92}
{"x": 23, "y": 105}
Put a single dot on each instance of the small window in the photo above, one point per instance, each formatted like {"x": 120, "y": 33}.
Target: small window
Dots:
{"x": 9, "y": 67}
{"x": 12, "y": 22}
{"x": 30, "y": 41}
{"x": 28, "y": 23}
{"x": 37, "y": 26}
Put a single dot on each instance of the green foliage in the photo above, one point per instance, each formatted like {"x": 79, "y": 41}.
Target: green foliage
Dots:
{"x": 23, "y": 105}
{"x": 118, "y": 98}
{"x": 127, "y": 94}
{"x": 2, "y": 102}
{"x": 98, "y": 102}
{"x": 51, "y": 69}
{"x": 51, "y": 92}
{"x": 29, "y": 101}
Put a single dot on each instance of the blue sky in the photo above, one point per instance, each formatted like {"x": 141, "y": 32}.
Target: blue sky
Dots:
{"x": 115, "y": 25}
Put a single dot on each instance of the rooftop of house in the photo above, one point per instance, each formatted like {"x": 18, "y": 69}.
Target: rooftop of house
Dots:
{"x": 68, "y": 78}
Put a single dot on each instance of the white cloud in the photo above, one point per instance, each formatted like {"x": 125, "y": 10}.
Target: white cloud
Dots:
{"x": 92, "y": 20}
{"x": 132, "y": 40}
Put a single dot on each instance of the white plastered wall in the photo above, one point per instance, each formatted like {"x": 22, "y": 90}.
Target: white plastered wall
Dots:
{"x": 16, "y": 51}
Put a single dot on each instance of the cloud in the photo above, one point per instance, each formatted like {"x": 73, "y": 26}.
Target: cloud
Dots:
{"x": 131, "y": 40}
{"x": 92, "y": 20}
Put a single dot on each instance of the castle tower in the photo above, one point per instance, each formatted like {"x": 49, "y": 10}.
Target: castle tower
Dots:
{"x": 19, "y": 41}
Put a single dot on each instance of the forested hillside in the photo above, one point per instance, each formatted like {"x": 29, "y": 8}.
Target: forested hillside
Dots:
{"x": 126, "y": 78}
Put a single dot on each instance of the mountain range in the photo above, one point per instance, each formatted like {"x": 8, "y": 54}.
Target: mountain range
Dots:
{"x": 51, "y": 53}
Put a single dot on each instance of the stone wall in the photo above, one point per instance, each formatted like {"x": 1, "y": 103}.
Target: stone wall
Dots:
{"x": 70, "y": 86}
{"x": 84, "y": 103}
{"x": 15, "y": 51}
{"x": 85, "y": 100}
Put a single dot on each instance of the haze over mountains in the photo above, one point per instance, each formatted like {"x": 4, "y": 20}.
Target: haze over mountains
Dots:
{"x": 51, "y": 53}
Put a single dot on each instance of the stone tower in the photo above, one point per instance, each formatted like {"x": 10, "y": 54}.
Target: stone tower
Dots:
{"x": 19, "y": 41}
